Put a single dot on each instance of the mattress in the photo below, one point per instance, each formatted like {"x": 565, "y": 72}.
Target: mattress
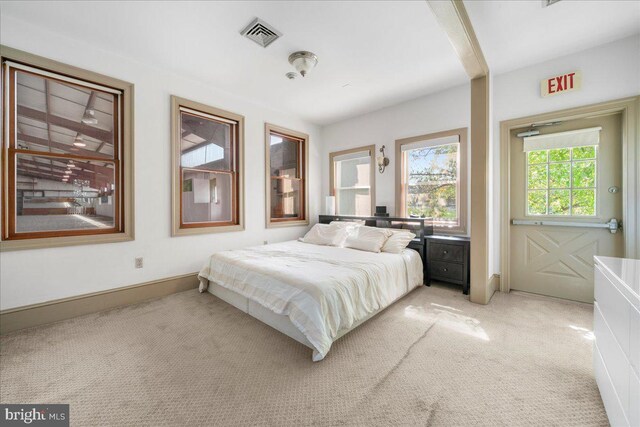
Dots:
{"x": 323, "y": 291}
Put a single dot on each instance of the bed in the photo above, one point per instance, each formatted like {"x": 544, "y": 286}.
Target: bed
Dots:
{"x": 314, "y": 294}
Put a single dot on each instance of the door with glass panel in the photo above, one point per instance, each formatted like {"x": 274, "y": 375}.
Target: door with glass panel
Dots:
{"x": 566, "y": 202}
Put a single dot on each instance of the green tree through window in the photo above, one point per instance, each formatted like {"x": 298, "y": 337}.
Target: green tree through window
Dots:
{"x": 432, "y": 189}
{"x": 562, "y": 181}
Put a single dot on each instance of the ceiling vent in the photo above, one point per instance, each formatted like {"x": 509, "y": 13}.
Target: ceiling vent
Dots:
{"x": 261, "y": 32}
{"x": 546, "y": 3}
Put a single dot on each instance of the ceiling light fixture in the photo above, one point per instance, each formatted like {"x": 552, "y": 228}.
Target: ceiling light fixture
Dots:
{"x": 303, "y": 61}
{"x": 89, "y": 117}
{"x": 78, "y": 141}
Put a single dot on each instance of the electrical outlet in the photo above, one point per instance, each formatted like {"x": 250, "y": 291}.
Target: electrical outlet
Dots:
{"x": 139, "y": 262}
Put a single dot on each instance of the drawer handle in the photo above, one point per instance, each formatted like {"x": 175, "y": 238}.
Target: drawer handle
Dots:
{"x": 445, "y": 252}
{"x": 445, "y": 269}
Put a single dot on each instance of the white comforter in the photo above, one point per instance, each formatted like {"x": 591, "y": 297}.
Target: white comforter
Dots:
{"x": 322, "y": 289}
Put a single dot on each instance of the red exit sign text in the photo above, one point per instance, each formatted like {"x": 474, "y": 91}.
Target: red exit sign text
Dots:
{"x": 560, "y": 84}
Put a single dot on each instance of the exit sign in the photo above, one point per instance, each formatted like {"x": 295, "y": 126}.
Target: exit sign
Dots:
{"x": 560, "y": 84}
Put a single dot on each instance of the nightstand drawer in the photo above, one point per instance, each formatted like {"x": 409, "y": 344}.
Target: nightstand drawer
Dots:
{"x": 446, "y": 270}
{"x": 446, "y": 252}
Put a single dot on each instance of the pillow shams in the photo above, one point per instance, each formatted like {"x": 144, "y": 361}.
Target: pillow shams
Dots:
{"x": 366, "y": 238}
{"x": 325, "y": 234}
{"x": 348, "y": 223}
{"x": 398, "y": 241}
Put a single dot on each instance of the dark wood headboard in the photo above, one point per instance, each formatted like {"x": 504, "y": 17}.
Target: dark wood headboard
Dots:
{"x": 421, "y": 227}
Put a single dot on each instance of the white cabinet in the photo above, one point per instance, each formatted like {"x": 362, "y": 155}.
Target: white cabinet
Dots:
{"x": 616, "y": 352}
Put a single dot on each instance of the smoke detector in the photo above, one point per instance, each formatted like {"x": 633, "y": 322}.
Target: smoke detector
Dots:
{"x": 261, "y": 33}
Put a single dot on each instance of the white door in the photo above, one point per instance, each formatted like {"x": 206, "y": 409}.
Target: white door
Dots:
{"x": 570, "y": 182}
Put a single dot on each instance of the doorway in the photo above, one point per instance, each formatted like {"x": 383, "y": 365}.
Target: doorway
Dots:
{"x": 565, "y": 188}
{"x": 568, "y": 193}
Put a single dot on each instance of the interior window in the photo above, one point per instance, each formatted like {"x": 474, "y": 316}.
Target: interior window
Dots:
{"x": 352, "y": 179}
{"x": 562, "y": 181}
{"x": 208, "y": 169}
{"x": 64, "y": 155}
{"x": 432, "y": 178}
{"x": 287, "y": 176}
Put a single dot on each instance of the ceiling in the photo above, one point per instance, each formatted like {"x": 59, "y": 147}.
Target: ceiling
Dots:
{"x": 372, "y": 54}
{"x": 50, "y": 120}
{"x": 515, "y": 34}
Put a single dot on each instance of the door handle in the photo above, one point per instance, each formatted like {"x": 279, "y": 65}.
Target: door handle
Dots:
{"x": 612, "y": 225}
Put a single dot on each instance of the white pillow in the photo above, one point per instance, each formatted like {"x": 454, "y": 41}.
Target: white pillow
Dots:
{"x": 348, "y": 223}
{"x": 398, "y": 241}
{"x": 365, "y": 238}
{"x": 346, "y": 227}
{"x": 325, "y": 234}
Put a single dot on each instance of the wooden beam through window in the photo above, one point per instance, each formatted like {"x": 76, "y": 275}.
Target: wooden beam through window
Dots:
{"x": 41, "y": 116}
{"x": 64, "y": 147}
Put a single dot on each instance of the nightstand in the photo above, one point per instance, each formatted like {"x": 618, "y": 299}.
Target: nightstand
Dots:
{"x": 448, "y": 260}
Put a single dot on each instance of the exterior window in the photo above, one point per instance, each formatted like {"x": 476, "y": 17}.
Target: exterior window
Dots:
{"x": 66, "y": 155}
{"x": 353, "y": 181}
{"x": 286, "y": 166}
{"x": 433, "y": 178}
{"x": 207, "y": 186}
{"x": 562, "y": 181}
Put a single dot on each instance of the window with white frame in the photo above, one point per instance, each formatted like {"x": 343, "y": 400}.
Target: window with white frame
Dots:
{"x": 562, "y": 173}
{"x": 432, "y": 178}
{"x": 353, "y": 181}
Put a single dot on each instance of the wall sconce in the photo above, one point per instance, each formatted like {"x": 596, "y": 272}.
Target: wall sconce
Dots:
{"x": 382, "y": 160}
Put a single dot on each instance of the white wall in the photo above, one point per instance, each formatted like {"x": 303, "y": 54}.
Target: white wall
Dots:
{"x": 35, "y": 276}
{"x": 449, "y": 109}
{"x": 609, "y": 72}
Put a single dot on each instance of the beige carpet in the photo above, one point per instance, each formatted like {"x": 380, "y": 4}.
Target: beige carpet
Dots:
{"x": 431, "y": 359}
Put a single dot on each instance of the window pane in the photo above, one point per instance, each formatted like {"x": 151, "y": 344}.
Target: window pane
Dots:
{"x": 584, "y": 174}
{"x": 427, "y": 200}
{"x": 560, "y": 175}
{"x": 432, "y": 187}
{"x": 584, "y": 152}
{"x": 537, "y": 202}
{"x": 353, "y": 201}
{"x": 205, "y": 143}
{"x": 284, "y": 156}
{"x": 559, "y": 202}
{"x": 537, "y": 156}
{"x": 559, "y": 155}
{"x": 537, "y": 177}
{"x": 64, "y": 118}
{"x": 206, "y": 196}
{"x": 353, "y": 172}
{"x": 54, "y": 194}
{"x": 285, "y": 198}
{"x": 584, "y": 202}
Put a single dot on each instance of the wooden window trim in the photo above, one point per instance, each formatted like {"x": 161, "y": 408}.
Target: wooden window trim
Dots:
{"x": 303, "y": 176}
{"x": 123, "y": 229}
{"x": 237, "y": 169}
{"x": 461, "y": 227}
{"x": 372, "y": 172}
